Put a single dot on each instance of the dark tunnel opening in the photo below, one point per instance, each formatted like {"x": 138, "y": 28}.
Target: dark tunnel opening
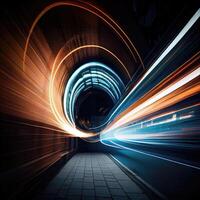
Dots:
{"x": 99, "y": 100}
{"x": 91, "y": 108}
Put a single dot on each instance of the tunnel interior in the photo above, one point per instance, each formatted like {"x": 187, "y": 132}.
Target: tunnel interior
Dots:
{"x": 90, "y": 94}
{"x": 92, "y": 107}
{"x": 99, "y": 100}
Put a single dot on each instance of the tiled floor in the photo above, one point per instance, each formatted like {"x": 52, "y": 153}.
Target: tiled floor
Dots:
{"x": 92, "y": 176}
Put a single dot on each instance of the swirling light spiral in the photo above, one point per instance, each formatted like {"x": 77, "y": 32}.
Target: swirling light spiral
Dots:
{"x": 58, "y": 77}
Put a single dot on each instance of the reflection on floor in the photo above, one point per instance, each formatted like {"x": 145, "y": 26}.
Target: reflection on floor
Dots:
{"x": 92, "y": 176}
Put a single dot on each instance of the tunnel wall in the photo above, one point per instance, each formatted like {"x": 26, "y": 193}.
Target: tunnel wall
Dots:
{"x": 27, "y": 153}
{"x": 84, "y": 146}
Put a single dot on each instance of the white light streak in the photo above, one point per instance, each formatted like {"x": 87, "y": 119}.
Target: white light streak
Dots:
{"x": 181, "y": 34}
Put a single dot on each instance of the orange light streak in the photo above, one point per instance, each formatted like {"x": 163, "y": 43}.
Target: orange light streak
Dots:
{"x": 108, "y": 20}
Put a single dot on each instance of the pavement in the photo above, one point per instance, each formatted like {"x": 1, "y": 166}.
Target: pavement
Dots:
{"x": 91, "y": 176}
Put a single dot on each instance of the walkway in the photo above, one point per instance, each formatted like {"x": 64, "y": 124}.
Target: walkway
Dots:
{"x": 92, "y": 176}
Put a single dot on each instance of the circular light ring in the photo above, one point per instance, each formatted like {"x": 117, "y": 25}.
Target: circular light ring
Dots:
{"x": 85, "y": 88}
{"x": 91, "y": 9}
{"x": 55, "y": 95}
{"x": 92, "y": 74}
{"x": 88, "y": 79}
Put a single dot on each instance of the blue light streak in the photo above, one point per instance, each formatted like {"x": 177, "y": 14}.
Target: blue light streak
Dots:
{"x": 92, "y": 74}
{"x": 167, "y": 121}
{"x": 155, "y": 65}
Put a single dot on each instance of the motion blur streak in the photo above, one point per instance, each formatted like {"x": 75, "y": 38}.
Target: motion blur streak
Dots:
{"x": 56, "y": 107}
{"x": 90, "y": 8}
{"x": 34, "y": 76}
{"x": 155, "y": 65}
{"x": 194, "y": 73}
{"x": 152, "y": 155}
{"x": 163, "y": 99}
{"x": 164, "y": 112}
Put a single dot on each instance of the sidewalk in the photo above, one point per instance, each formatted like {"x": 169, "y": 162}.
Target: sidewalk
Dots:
{"x": 91, "y": 176}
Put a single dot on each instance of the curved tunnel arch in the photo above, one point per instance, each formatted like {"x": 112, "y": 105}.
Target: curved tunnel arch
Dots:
{"x": 102, "y": 15}
{"x": 57, "y": 107}
{"x": 91, "y": 75}
{"x": 56, "y": 87}
{"x": 154, "y": 123}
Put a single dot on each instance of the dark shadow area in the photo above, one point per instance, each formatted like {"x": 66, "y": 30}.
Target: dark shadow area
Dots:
{"x": 84, "y": 146}
{"x": 91, "y": 108}
{"x": 30, "y": 155}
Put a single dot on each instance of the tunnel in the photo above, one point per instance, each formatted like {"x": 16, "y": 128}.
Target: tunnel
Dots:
{"x": 99, "y": 100}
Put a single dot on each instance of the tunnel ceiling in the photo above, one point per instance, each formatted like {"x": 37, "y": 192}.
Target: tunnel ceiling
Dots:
{"x": 91, "y": 52}
{"x": 57, "y": 38}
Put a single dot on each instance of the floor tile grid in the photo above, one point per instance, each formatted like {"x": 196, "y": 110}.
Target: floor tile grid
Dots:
{"x": 93, "y": 176}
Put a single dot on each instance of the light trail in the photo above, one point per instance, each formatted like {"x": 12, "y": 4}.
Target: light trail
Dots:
{"x": 56, "y": 108}
{"x": 133, "y": 114}
{"x": 163, "y": 119}
{"x": 41, "y": 74}
{"x": 94, "y": 10}
{"x": 37, "y": 78}
{"x": 159, "y": 157}
{"x": 153, "y": 129}
{"x": 182, "y": 33}
{"x": 103, "y": 74}
{"x": 140, "y": 179}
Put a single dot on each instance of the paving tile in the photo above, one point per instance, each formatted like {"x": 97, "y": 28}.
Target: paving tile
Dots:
{"x": 79, "y": 176}
{"x": 104, "y": 198}
{"x": 120, "y": 198}
{"x": 91, "y": 176}
{"x": 88, "y": 179}
{"x": 73, "y": 197}
{"x": 110, "y": 179}
{"x": 102, "y": 192}
{"x": 112, "y": 184}
{"x": 69, "y": 179}
{"x": 117, "y": 192}
{"x": 67, "y": 182}
{"x": 74, "y": 192}
{"x": 122, "y": 177}
{"x": 109, "y": 175}
{"x": 130, "y": 186}
{"x": 77, "y": 185}
{"x": 99, "y": 177}
{"x": 62, "y": 193}
{"x": 88, "y": 193}
{"x": 137, "y": 196}
{"x": 88, "y": 185}
{"x": 99, "y": 183}
{"x": 88, "y": 198}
